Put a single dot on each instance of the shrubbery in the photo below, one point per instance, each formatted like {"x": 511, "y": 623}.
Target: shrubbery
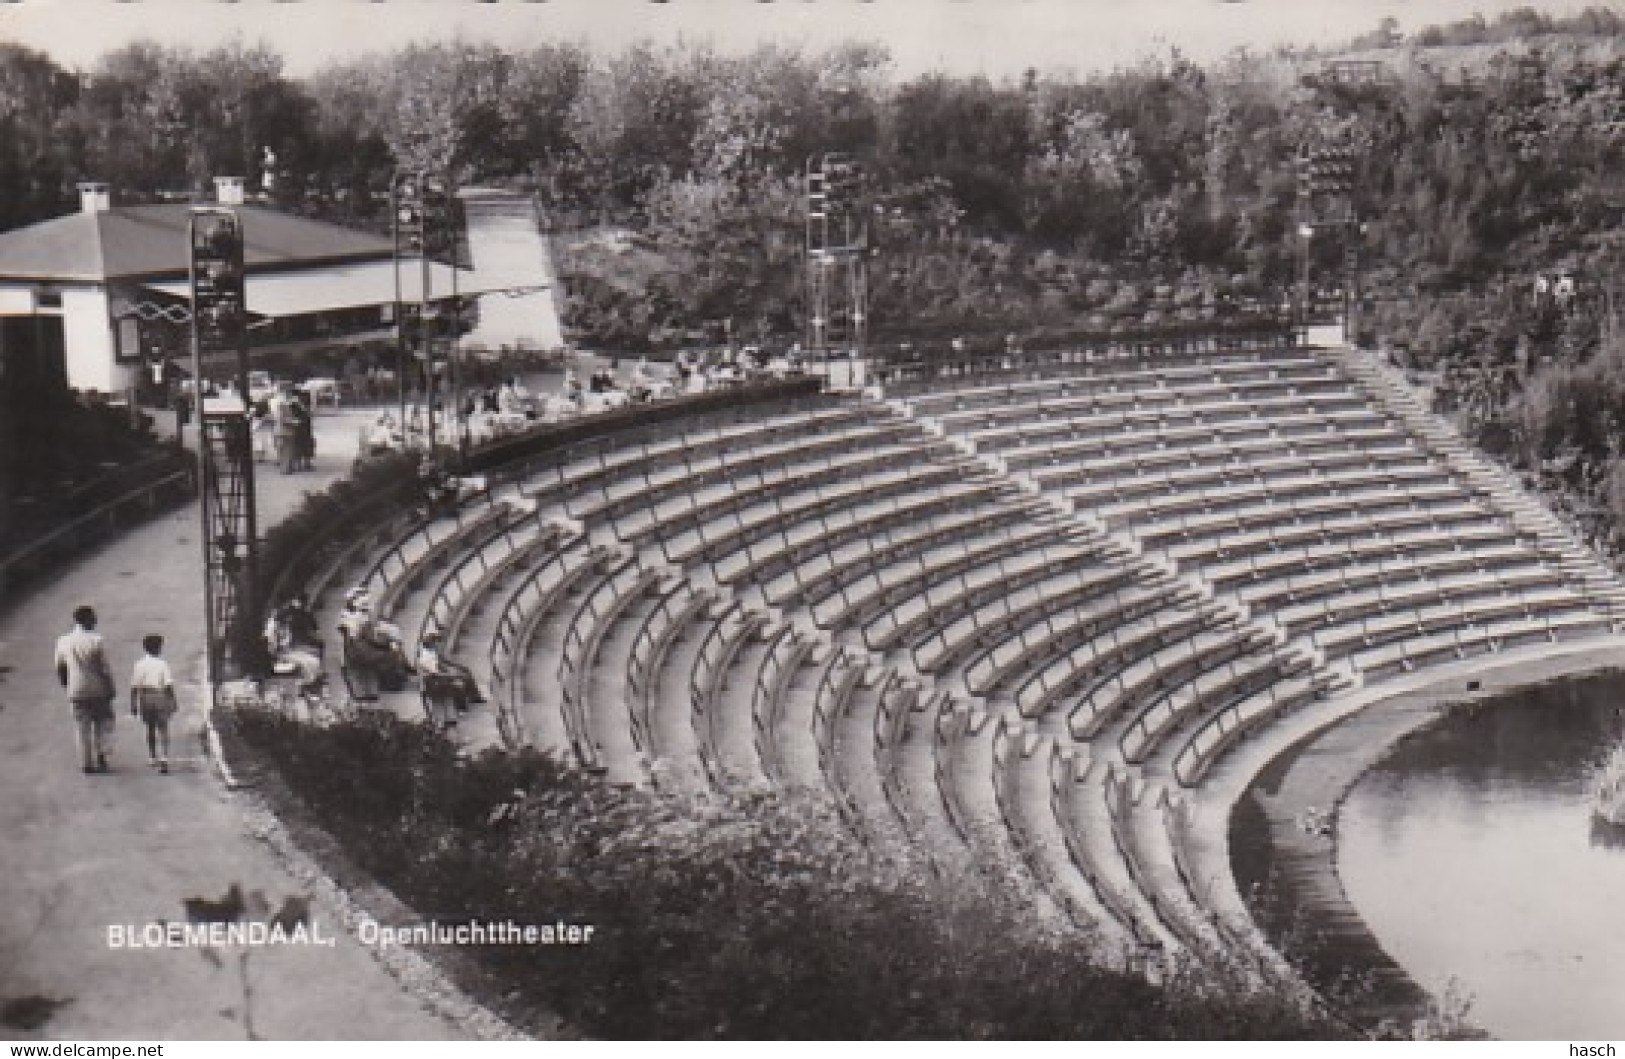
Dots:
{"x": 748, "y": 916}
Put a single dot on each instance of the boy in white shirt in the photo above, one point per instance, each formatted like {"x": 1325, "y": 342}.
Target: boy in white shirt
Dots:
{"x": 152, "y": 697}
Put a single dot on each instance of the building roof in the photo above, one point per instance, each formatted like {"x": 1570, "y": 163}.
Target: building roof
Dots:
{"x": 138, "y": 241}
{"x": 346, "y": 286}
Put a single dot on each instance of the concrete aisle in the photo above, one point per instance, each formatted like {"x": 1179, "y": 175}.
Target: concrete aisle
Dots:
{"x": 83, "y": 853}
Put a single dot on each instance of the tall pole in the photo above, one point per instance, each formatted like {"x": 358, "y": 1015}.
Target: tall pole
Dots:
{"x": 225, "y": 460}
{"x": 454, "y": 226}
{"x": 426, "y": 335}
{"x": 395, "y": 206}
{"x": 205, "y": 483}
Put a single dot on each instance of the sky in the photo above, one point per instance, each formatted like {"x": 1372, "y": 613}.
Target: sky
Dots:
{"x": 999, "y": 38}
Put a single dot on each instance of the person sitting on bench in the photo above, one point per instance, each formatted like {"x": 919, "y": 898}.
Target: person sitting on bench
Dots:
{"x": 372, "y": 649}
{"x": 445, "y": 679}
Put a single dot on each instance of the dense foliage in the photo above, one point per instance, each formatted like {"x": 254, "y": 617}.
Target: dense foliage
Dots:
{"x": 1163, "y": 190}
{"x": 752, "y": 916}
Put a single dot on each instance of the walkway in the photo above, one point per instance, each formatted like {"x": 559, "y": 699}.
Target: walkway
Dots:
{"x": 86, "y": 853}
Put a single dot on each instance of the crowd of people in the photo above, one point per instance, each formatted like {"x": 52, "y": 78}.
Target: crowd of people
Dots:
{"x": 283, "y": 429}
{"x": 510, "y": 407}
{"x": 373, "y": 658}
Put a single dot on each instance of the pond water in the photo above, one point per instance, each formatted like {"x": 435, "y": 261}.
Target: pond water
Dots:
{"x": 1473, "y": 855}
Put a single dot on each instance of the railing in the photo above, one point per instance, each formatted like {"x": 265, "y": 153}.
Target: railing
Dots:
{"x": 897, "y": 701}
{"x": 399, "y": 569}
{"x": 952, "y": 724}
{"x": 1234, "y": 723}
{"x": 648, "y": 648}
{"x": 884, "y": 512}
{"x": 582, "y": 636}
{"x": 784, "y": 655}
{"x": 1011, "y": 747}
{"x": 448, "y": 608}
{"x": 44, "y": 554}
{"x": 716, "y": 653}
{"x": 830, "y": 701}
{"x": 533, "y": 597}
{"x": 1066, "y": 775}
{"x": 1140, "y": 345}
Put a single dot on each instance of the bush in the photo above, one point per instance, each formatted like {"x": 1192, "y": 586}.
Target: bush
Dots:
{"x": 749, "y": 916}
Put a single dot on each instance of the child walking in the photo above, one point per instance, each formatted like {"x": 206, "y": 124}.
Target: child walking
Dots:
{"x": 152, "y": 696}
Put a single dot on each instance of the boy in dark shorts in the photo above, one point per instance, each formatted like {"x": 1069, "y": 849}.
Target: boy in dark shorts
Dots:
{"x": 152, "y": 697}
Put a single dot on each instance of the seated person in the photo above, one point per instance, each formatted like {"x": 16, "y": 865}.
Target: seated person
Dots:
{"x": 372, "y": 649}
{"x": 302, "y": 627}
{"x": 381, "y": 436}
{"x": 572, "y": 387}
{"x": 445, "y": 679}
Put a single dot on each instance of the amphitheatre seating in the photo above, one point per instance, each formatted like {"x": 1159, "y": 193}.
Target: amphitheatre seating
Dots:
{"x": 969, "y": 781}
{"x": 1021, "y": 761}
{"x": 944, "y": 399}
{"x": 662, "y": 729}
{"x": 787, "y": 651}
{"x": 1283, "y": 416}
{"x": 1220, "y": 467}
{"x": 1229, "y": 678}
{"x": 834, "y": 550}
{"x": 1087, "y": 464}
{"x": 1235, "y": 721}
{"x": 974, "y": 625}
{"x": 865, "y": 539}
{"x": 476, "y": 572}
{"x": 531, "y": 711}
{"x": 697, "y": 533}
{"x": 1127, "y": 393}
{"x": 592, "y": 693}
{"x": 718, "y": 700}
{"x": 740, "y": 482}
{"x": 838, "y": 683}
{"x": 1077, "y": 788}
{"x": 889, "y": 597}
{"x": 858, "y": 766}
{"x": 984, "y": 597}
{"x": 1004, "y": 655}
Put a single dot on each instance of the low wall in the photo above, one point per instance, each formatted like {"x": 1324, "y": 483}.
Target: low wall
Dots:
{"x": 132, "y": 495}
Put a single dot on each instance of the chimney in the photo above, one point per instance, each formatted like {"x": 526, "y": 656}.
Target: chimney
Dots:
{"x": 228, "y": 190}
{"x": 94, "y": 197}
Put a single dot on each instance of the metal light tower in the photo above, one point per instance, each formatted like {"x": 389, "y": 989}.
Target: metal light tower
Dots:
{"x": 423, "y": 225}
{"x": 837, "y": 256}
{"x": 225, "y": 457}
{"x": 1326, "y": 203}
{"x": 406, "y": 235}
